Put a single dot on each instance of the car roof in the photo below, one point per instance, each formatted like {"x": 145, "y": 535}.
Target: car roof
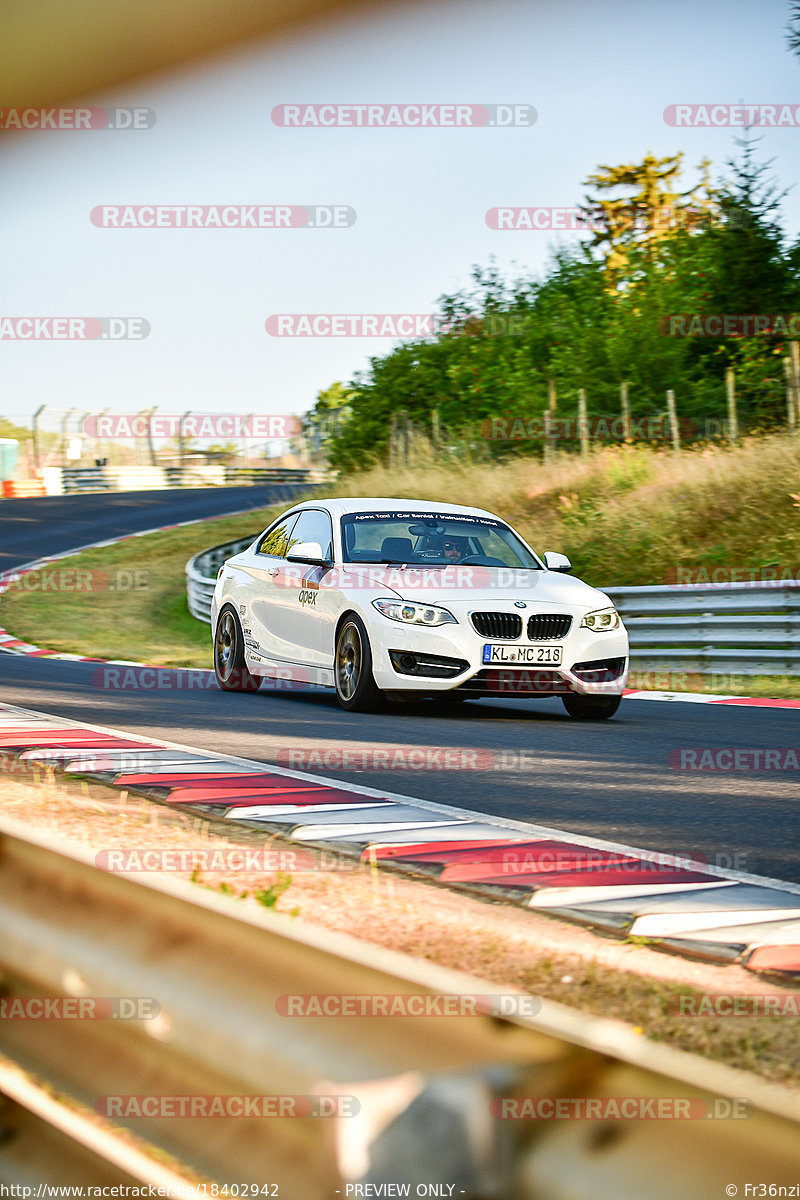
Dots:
{"x": 340, "y": 506}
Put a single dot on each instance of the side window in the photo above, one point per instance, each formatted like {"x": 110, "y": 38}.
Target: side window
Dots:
{"x": 276, "y": 539}
{"x": 313, "y": 525}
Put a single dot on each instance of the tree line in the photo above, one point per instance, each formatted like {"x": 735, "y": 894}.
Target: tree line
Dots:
{"x": 637, "y": 308}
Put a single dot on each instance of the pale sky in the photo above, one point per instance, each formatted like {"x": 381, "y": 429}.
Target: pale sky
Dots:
{"x": 599, "y": 76}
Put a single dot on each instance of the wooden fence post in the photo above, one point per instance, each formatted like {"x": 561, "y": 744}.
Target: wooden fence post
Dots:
{"x": 626, "y": 411}
{"x": 404, "y": 428}
{"x": 583, "y": 424}
{"x": 733, "y": 416}
{"x": 550, "y": 438}
{"x": 674, "y": 432}
{"x": 791, "y": 407}
{"x": 393, "y": 440}
{"x": 794, "y": 350}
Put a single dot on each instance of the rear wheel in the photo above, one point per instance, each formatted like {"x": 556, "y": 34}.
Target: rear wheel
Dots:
{"x": 229, "y": 665}
{"x": 356, "y": 689}
{"x": 590, "y": 708}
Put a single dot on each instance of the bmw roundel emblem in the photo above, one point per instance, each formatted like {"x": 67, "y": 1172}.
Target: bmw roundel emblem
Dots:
{"x": 519, "y": 604}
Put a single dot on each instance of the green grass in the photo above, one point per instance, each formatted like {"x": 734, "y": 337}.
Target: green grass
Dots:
{"x": 784, "y": 687}
{"x": 150, "y": 623}
{"x": 626, "y": 515}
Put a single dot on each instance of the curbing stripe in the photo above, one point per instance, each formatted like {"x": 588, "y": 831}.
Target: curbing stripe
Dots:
{"x": 702, "y": 918}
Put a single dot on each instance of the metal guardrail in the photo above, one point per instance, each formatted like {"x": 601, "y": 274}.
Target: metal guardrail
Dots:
{"x": 424, "y": 1086}
{"x": 742, "y": 629}
{"x": 84, "y": 479}
{"x": 296, "y": 475}
{"x": 99, "y": 479}
{"x": 201, "y": 574}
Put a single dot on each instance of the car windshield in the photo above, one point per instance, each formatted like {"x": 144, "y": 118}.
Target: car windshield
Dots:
{"x": 432, "y": 539}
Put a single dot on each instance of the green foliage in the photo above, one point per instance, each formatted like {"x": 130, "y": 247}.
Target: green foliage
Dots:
{"x": 599, "y": 317}
{"x": 9, "y": 430}
{"x": 793, "y": 28}
{"x": 269, "y": 896}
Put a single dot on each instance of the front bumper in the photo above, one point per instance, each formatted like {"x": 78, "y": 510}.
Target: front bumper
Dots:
{"x": 449, "y": 657}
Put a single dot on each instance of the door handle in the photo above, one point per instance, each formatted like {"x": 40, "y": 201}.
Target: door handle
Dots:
{"x": 273, "y": 571}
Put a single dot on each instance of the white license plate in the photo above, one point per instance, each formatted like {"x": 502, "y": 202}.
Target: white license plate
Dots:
{"x": 523, "y": 656}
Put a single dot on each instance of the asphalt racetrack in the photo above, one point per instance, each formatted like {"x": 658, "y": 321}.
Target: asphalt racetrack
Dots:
{"x": 611, "y": 780}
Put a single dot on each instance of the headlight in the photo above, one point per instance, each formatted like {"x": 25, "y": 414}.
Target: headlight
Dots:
{"x": 414, "y": 614}
{"x": 601, "y": 620}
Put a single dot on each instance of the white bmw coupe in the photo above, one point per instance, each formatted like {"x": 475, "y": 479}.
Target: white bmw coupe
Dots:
{"x": 403, "y": 599}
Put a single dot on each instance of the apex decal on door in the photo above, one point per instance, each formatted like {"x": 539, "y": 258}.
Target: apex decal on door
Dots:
{"x": 308, "y": 597}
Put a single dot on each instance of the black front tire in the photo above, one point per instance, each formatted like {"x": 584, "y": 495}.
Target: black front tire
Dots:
{"x": 229, "y": 665}
{"x": 590, "y": 708}
{"x": 356, "y": 689}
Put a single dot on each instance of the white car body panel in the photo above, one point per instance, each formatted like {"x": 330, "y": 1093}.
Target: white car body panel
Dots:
{"x": 289, "y": 611}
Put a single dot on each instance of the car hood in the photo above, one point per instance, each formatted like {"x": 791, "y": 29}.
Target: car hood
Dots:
{"x": 483, "y": 587}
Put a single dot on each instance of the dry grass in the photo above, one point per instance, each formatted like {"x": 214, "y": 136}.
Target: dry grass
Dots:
{"x": 508, "y": 947}
{"x": 625, "y": 515}
{"x": 130, "y": 602}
